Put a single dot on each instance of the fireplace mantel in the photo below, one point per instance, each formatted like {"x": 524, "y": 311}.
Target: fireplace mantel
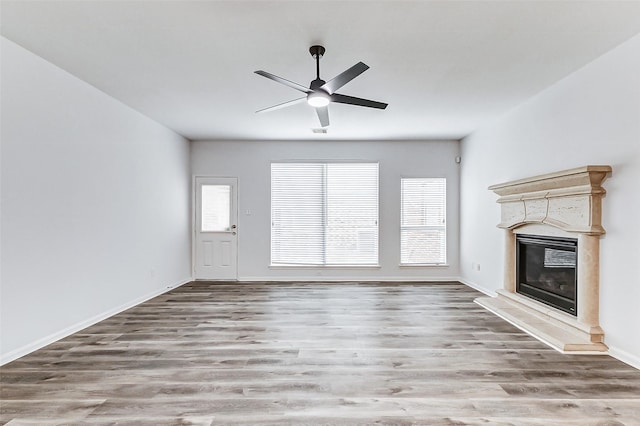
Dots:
{"x": 569, "y": 200}
{"x": 566, "y": 203}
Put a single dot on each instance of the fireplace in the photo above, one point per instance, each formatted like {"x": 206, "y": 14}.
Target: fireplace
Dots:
{"x": 546, "y": 270}
{"x": 552, "y": 227}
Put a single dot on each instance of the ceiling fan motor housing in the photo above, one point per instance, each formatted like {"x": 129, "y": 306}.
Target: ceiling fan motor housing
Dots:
{"x": 316, "y": 84}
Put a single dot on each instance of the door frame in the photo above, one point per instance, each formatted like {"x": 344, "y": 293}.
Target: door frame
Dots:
{"x": 194, "y": 220}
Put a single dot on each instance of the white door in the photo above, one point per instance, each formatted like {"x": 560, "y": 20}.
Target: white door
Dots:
{"x": 216, "y": 232}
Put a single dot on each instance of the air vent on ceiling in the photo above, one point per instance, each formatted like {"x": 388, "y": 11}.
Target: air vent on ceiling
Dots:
{"x": 320, "y": 130}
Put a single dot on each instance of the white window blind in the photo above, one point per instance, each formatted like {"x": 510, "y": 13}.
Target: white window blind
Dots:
{"x": 324, "y": 213}
{"x": 423, "y": 233}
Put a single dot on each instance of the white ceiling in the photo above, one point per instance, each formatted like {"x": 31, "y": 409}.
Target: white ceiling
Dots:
{"x": 445, "y": 67}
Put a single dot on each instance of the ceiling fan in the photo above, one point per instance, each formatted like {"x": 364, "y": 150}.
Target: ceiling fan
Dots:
{"x": 320, "y": 93}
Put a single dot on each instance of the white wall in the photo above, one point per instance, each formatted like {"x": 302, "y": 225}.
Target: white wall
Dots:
{"x": 95, "y": 204}
{"x": 590, "y": 117}
{"x": 250, "y": 162}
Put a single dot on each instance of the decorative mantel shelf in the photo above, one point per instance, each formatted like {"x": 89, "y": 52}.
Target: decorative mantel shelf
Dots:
{"x": 565, "y": 204}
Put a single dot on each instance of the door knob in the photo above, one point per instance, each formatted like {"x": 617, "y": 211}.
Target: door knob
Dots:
{"x": 233, "y": 226}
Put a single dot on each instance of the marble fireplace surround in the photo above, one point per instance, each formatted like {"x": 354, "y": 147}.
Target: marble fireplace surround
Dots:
{"x": 562, "y": 204}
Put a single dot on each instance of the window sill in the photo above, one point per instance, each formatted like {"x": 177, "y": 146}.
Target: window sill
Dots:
{"x": 324, "y": 266}
{"x": 424, "y": 265}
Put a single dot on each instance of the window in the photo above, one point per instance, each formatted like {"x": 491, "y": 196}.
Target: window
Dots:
{"x": 423, "y": 232}
{"x": 324, "y": 213}
{"x": 216, "y": 208}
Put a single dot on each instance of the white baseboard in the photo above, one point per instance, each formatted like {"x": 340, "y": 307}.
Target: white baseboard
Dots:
{"x": 324, "y": 279}
{"x": 625, "y": 357}
{"x": 478, "y": 287}
{"x": 40, "y": 343}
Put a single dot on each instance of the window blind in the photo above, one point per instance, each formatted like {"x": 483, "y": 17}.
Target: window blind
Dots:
{"x": 324, "y": 213}
{"x": 423, "y": 233}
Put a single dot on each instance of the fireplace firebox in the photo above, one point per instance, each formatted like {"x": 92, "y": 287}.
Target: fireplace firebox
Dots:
{"x": 547, "y": 270}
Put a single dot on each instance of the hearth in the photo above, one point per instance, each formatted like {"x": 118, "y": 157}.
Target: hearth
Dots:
{"x": 546, "y": 270}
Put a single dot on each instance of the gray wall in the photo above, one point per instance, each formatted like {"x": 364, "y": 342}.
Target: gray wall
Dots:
{"x": 250, "y": 162}
{"x": 95, "y": 205}
{"x": 590, "y": 117}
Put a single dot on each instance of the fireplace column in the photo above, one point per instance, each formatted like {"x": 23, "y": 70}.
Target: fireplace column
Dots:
{"x": 510, "y": 261}
{"x": 589, "y": 281}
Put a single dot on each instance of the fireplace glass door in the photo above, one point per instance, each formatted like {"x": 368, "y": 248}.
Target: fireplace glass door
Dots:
{"x": 546, "y": 269}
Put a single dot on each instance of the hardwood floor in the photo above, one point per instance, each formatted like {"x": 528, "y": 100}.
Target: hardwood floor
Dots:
{"x": 346, "y": 354}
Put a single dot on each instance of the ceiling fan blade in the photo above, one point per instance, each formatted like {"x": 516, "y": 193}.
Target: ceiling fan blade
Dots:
{"x": 283, "y": 81}
{"x": 282, "y": 105}
{"x": 323, "y": 115}
{"x": 350, "y": 100}
{"x": 344, "y": 77}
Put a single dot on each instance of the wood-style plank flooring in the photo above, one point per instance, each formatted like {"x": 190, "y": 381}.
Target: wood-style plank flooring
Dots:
{"x": 289, "y": 354}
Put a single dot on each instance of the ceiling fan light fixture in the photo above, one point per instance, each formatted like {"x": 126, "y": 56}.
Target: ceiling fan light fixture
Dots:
{"x": 318, "y": 99}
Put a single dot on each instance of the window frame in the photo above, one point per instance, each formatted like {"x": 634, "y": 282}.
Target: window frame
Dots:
{"x": 325, "y": 222}
{"x": 442, "y": 227}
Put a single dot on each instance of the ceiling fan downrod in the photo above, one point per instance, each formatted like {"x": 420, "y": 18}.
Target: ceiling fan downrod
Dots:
{"x": 317, "y": 52}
